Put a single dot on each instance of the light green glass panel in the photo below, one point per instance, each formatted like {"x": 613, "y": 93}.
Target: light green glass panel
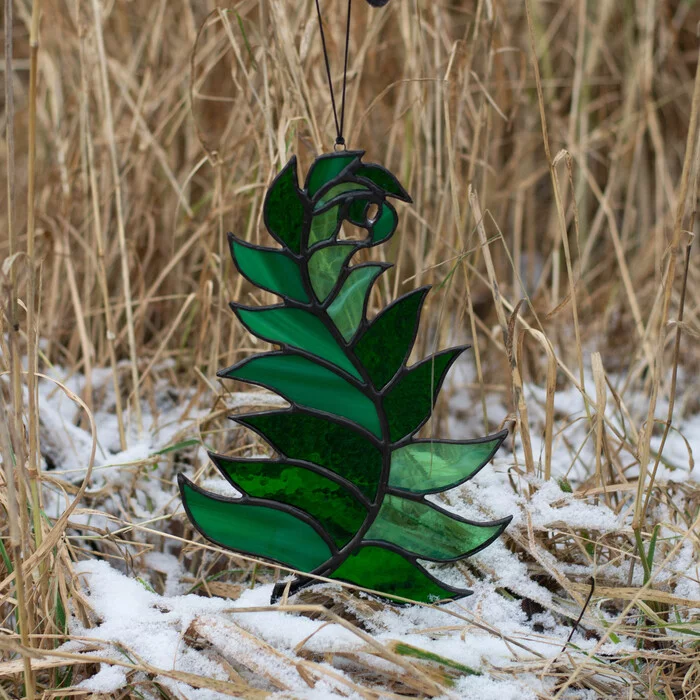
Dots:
{"x": 326, "y": 168}
{"x": 427, "y": 467}
{"x": 324, "y": 226}
{"x": 428, "y": 533}
{"x": 271, "y": 270}
{"x": 336, "y": 191}
{"x": 348, "y": 306}
{"x": 304, "y": 382}
{"x": 297, "y": 328}
{"x": 392, "y": 574}
{"x": 324, "y": 268}
{"x": 255, "y": 529}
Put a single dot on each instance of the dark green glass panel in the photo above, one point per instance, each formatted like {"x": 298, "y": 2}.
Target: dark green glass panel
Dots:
{"x": 340, "y": 514}
{"x": 383, "y": 179}
{"x": 409, "y": 404}
{"x": 325, "y": 266}
{"x": 383, "y": 570}
{"x": 256, "y": 529}
{"x": 431, "y": 466}
{"x": 337, "y": 190}
{"x": 326, "y": 168}
{"x": 357, "y": 212}
{"x": 384, "y": 347}
{"x": 302, "y": 381}
{"x": 428, "y": 533}
{"x": 311, "y": 438}
{"x": 385, "y": 224}
{"x": 297, "y": 328}
{"x": 284, "y": 208}
{"x": 270, "y": 269}
{"x": 347, "y": 308}
{"x": 324, "y": 226}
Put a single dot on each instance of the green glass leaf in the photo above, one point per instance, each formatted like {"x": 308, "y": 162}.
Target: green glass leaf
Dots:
{"x": 284, "y": 207}
{"x": 435, "y": 465}
{"x": 269, "y": 269}
{"x": 302, "y": 381}
{"x": 385, "y": 346}
{"x": 410, "y": 401}
{"x": 357, "y": 212}
{"x": 312, "y": 438}
{"x": 255, "y": 529}
{"x": 340, "y": 514}
{"x": 327, "y": 167}
{"x": 344, "y": 188}
{"x": 325, "y": 266}
{"x": 348, "y": 307}
{"x": 383, "y": 179}
{"x": 385, "y": 224}
{"x": 429, "y": 532}
{"x": 297, "y": 328}
{"x": 325, "y": 225}
{"x": 391, "y": 573}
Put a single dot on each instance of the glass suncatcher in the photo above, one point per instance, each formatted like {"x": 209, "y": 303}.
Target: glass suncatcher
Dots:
{"x": 345, "y": 498}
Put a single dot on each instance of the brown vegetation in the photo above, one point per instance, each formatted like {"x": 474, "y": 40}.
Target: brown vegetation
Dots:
{"x": 553, "y": 156}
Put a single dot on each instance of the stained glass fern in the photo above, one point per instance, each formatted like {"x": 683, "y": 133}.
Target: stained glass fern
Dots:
{"x": 345, "y": 497}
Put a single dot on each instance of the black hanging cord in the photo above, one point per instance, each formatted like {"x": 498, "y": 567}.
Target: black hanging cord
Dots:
{"x": 339, "y": 124}
{"x": 340, "y": 140}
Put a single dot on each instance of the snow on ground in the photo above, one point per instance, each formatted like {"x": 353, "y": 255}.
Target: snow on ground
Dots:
{"x": 129, "y": 618}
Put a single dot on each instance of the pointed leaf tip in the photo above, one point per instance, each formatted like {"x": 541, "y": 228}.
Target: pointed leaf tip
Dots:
{"x": 327, "y": 167}
{"x": 326, "y": 500}
{"x": 393, "y": 574}
{"x": 255, "y": 528}
{"x": 385, "y": 180}
{"x": 429, "y": 532}
{"x": 386, "y": 344}
{"x": 429, "y": 466}
{"x": 284, "y": 210}
{"x": 273, "y": 270}
{"x": 302, "y": 381}
{"x": 409, "y": 402}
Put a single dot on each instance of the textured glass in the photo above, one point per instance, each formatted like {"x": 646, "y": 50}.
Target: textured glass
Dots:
{"x": 385, "y": 224}
{"x": 299, "y": 329}
{"x": 304, "y": 382}
{"x": 427, "y": 467}
{"x": 426, "y": 532}
{"x": 347, "y": 308}
{"x": 326, "y": 168}
{"x": 325, "y": 266}
{"x": 410, "y": 402}
{"x": 383, "y": 179}
{"x": 386, "y": 571}
{"x": 268, "y": 532}
{"x": 284, "y": 211}
{"x": 271, "y": 270}
{"x": 324, "y": 226}
{"x": 344, "y": 495}
{"x": 340, "y": 513}
{"x": 311, "y": 438}
{"x": 387, "y": 343}
{"x": 337, "y": 190}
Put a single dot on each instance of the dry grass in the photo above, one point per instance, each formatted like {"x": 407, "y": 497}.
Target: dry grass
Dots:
{"x": 552, "y": 153}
